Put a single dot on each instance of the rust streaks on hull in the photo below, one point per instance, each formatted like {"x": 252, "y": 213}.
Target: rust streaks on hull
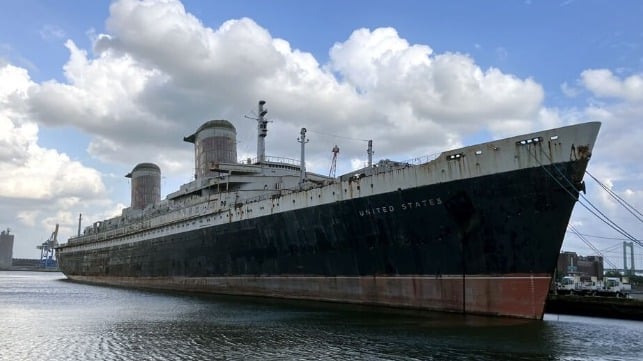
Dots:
{"x": 513, "y": 295}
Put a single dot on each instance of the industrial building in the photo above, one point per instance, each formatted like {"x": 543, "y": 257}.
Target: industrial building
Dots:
{"x": 571, "y": 264}
{"x": 6, "y": 249}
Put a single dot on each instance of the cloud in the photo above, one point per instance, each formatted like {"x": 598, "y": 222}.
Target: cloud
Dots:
{"x": 617, "y": 104}
{"x": 569, "y": 90}
{"x": 442, "y": 93}
{"x": 52, "y": 32}
{"x": 9, "y": 55}
{"x": 158, "y": 73}
{"x": 603, "y": 83}
{"x": 35, "y": 182}
{"x": 30, "y": 171}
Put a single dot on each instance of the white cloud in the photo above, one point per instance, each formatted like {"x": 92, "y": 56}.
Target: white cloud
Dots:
{"x": 616, "y": 163}
{"x": 35, "y": 182}
{"x": 364, "y": 57}
{"x": 159, "y": 72}
{"x": 444, "y": 92}
{"x": 29, "y": 171}
{"x": 603, "y": 83}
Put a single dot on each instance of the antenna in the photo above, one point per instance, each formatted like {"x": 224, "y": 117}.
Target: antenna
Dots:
{"x": 333, "y": 163}
{"x": 262, "y": 131}
{"x": 302, "y": 139}
{"x": 80, "y": 221}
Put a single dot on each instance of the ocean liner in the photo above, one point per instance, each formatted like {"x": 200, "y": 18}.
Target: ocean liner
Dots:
{"x": 472, "y": 230}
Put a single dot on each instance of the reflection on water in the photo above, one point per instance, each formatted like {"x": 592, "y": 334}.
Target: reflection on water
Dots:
{"x": 43, "y": 316}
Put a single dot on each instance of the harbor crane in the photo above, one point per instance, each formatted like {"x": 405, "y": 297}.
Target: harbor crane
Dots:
{"x": 47, "y": 249}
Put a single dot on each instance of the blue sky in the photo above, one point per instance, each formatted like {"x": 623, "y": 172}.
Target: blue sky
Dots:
{"x": 548, "y": 40}
{"x": 105, "y": 85}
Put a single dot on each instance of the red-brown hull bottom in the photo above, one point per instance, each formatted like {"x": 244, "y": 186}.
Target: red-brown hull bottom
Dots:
{"x": 513, "y": 295}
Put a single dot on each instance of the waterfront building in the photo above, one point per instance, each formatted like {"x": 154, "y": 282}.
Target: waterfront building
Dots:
{"x": 6, "y": 249}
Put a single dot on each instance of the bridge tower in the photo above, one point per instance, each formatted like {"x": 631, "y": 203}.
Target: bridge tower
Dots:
{"x": 628, "y": 270}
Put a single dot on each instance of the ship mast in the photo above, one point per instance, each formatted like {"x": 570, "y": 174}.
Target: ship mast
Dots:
{"x": 262, "y": 131}
{"x": 370, "y": 153}
{"x": 302, "y": 139}
{"x": 333, "y": 162}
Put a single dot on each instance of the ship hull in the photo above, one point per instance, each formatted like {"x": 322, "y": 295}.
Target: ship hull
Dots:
{"x": 483, "y": 245}
{"x": 512, "y": 295}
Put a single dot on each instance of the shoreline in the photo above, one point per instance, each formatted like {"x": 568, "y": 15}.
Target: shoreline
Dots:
{"x": 630, "y": 308}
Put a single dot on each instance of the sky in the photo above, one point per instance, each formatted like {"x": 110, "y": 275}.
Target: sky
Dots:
{"x": 89, "y": 89}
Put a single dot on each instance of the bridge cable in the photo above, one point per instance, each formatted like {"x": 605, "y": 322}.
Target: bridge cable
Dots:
{"x": 620, "y": 200}
{"x": 575, "y": 231}
{"x": 596, "y": 213}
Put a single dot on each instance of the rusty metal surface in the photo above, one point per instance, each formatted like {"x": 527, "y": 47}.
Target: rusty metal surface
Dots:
{"x": 508, "y": 295}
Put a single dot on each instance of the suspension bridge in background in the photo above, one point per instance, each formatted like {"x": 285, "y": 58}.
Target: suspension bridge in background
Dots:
{"x": 628, "y": 243}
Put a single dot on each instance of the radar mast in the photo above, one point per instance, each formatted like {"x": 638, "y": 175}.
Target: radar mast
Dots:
{"x": 262, "y": 131}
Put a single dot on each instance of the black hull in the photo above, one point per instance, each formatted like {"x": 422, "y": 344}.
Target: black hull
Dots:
{"x": 505, "y": 224}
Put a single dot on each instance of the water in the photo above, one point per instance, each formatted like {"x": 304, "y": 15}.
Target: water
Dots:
{"x": 45, "y": 317}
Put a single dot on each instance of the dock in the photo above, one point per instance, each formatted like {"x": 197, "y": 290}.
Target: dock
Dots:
{"x": 630, "y": 308}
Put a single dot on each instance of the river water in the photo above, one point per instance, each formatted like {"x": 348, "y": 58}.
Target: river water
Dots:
{"x": 45, "y": 317}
